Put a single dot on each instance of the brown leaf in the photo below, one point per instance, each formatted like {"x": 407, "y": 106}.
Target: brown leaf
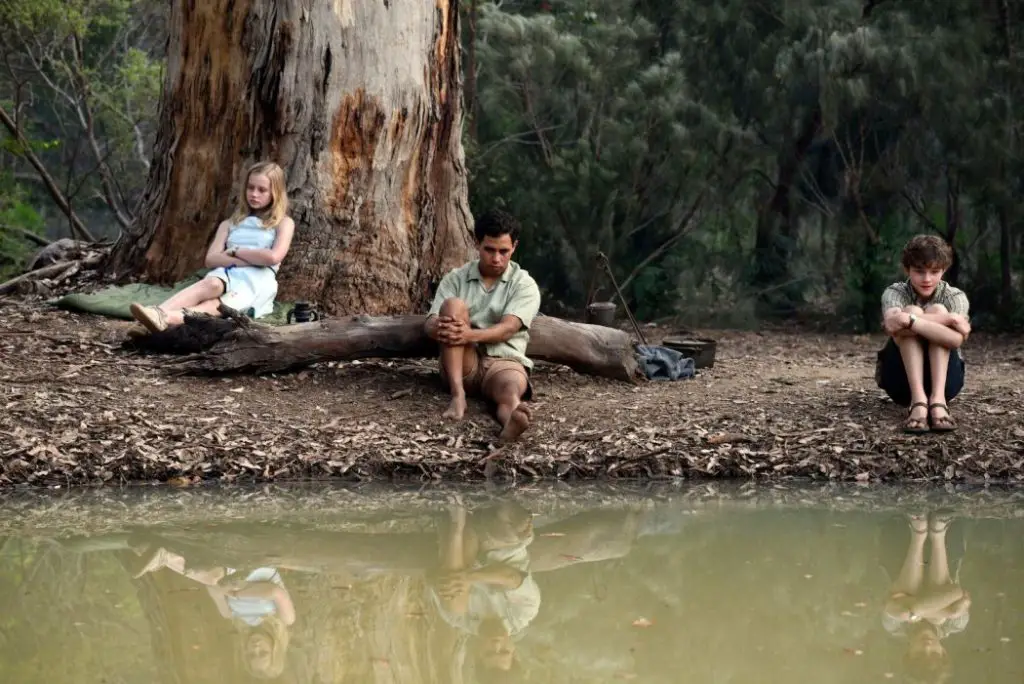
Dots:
{"x": 729, "y": 438}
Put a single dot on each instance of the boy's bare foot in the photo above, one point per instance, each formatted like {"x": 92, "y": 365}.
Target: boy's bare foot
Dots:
{"x": 517, "y": 424}
{"x": 456, "y": 409}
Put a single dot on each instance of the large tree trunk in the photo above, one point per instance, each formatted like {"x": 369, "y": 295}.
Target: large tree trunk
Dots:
{"x": 225, "y": 348}
{"x": 358, "y": 100}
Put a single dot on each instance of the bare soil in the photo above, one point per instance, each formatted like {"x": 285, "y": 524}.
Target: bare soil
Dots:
{"x": 77, "y": 408}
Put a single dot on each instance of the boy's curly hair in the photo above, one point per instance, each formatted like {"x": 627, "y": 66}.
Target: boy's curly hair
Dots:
{"x": 927, "y": 251}
{"x": 495, "y": 223}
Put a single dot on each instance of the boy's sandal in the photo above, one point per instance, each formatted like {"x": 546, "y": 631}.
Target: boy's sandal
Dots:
{"x": 916, "y": 426}
{"x": 940, "y": 521}
{"x": 918, "y": 522}
{"x": 941, "y": 423}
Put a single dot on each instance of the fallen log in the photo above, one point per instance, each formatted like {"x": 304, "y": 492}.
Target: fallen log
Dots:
{"x": 56, "y": 272}
{"x": 236, "y": 345}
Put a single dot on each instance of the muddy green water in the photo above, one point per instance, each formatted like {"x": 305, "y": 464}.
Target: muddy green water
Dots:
{"x": 696, "y": 584}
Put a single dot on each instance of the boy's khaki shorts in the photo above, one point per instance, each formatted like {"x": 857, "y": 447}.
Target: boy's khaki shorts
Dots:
{"x": 485, "y": 370}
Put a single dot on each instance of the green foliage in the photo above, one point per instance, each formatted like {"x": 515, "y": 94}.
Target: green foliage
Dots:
{"x": 601, "y": 122}
{"x": 16, "y": 218}
{"x": 871, "y": 267}
{"x": 83, "y": 78}
{"x": 598, "y": 143}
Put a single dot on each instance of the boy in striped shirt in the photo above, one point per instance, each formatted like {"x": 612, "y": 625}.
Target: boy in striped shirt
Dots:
{"x": 927, "y": 321}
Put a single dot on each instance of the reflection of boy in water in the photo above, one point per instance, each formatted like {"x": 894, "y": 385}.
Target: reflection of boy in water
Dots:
{"x": 486, "y": 590}
{"x": 257, "y": 603}
{"x": 927, "y": 607}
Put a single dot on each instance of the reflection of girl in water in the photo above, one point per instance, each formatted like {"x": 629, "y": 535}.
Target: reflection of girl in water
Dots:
{"x": 925, "y": 607}
{"x": 257, "y": 603}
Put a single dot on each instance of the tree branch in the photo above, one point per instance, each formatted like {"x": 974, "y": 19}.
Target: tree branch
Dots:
{"x": 537, "y": 128}
{"x": 26, "y": 234}
{"x": 110, "y": 193}
{"x": 912, "y": 203}
{"x": 678, "y": 232}
{"x": 77, "y": 227}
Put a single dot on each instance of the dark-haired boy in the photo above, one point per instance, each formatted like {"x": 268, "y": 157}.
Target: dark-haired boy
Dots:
{"x": 927, "y": 321}
{"x": 481, "y": 317}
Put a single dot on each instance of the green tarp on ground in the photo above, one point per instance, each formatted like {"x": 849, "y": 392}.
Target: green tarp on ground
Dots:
{"x": 114, "y": 301}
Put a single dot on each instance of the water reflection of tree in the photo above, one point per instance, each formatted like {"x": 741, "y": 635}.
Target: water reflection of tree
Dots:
{"x": 59, "y": 613}
{"x": 362, "y": 600}
{"x": 358, "y": 598}
{"x": 729, "y": 596}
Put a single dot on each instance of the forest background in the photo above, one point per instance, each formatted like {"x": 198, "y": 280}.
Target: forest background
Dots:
{"x": 738, "y": 162}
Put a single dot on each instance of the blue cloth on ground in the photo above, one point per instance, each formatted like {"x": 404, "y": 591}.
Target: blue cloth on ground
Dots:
{"x": 662, "y": 363}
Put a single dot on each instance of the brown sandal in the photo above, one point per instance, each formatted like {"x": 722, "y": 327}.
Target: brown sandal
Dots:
{"x": 939, "y": 522}
{"x": 921, "y": 520}
{"x": 152, "y": 317}
{"x": 916, "y": 426}
{"x": 941, "y": 423}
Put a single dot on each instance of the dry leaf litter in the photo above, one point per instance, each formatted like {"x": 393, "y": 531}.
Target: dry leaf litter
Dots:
{"x": 75, "y": 408}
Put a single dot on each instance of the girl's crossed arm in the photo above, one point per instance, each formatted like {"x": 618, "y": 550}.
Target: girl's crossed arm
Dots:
{"x": 216, "y": 254}
{"x": 276, "y": 254}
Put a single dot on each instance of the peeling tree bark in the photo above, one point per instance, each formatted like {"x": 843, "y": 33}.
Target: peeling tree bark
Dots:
{"x": 360, "y": 103}
{"x": 227, "y": 347}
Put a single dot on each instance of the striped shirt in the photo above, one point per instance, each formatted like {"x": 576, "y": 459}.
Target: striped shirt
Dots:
{"x": 900, "y": 295}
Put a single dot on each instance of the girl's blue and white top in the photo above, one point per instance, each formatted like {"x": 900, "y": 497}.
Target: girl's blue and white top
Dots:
{"x": 250, "y": 610}
{"x": 249, "y": 289}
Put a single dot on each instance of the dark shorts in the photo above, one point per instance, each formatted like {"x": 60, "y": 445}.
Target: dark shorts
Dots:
{"x": 891, "y": 376}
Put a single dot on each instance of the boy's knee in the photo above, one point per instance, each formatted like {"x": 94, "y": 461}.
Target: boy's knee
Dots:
{"x": 912, "y": 309}
{"x": 454, "y": 307}
{"x": 935, "y": 308}
{"x": 508, "y": 392}
{"x": 507, "y": 386}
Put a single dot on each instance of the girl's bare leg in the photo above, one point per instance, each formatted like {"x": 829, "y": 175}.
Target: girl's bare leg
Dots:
{"x": 210, "y": 306}
{"x": 202, "y": 296}
{"x": 194, "y": 295}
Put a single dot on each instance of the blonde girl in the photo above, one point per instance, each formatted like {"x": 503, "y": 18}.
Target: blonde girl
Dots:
{"x": 244, "y": 256}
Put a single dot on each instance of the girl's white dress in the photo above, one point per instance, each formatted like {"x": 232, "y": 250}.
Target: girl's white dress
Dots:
{"x": 249, "y": 289}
